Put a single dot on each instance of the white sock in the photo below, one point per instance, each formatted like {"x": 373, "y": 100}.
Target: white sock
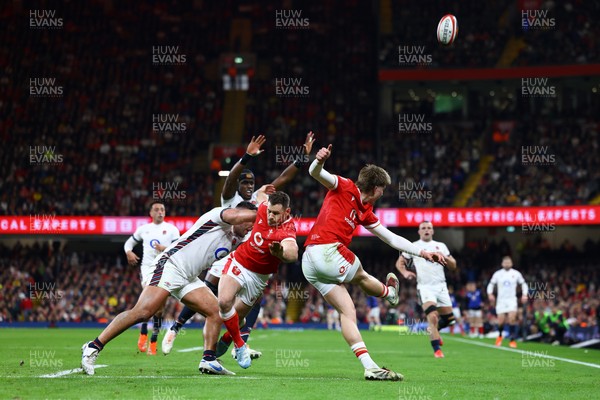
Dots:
{"x": 360, "y": 350}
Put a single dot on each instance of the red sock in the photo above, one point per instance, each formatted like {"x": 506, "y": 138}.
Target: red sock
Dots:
{"x": 227, "y": 338}
{"x": 233, "y": 327}
{"x": 472, "y": 329}
{"x": 481, "y": 330}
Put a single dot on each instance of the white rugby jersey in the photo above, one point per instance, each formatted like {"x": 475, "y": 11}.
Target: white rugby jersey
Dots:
{"x": 150, "y": 235}
{"x": 237, "y": 199}
{"x": 507, "y": 281}
{"x": 208, "y": 240}
{"x": 429, "y": 273}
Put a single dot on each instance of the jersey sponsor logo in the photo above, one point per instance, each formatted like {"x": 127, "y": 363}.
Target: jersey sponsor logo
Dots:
{"x": 221, "y": 252}
{"x": 258, "y": 239}
{"x": 154, "y": 242}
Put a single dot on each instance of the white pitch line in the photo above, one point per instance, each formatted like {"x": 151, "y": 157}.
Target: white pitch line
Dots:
{"x": 67, "y": 372}
{"x": 529, "y": 353}
{"x": 190, "y": 349}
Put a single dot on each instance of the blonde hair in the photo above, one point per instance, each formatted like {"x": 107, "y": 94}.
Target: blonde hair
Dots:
{"x": 370, "y": 176}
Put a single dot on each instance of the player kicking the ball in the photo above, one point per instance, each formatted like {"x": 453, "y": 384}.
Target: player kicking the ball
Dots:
{"x": 176, "y": 272}
{"x": 327, "y": 262}
{"x": 247, "y": 270}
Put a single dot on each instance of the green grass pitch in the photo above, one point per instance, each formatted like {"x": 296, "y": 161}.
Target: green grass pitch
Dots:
{"x": 311, "y": 364}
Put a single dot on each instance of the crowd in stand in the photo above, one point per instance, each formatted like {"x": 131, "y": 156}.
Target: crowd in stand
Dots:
{"x": 111, "y": 158}
{"x": 545, "y": 163}
{"x": 104, "y": 152}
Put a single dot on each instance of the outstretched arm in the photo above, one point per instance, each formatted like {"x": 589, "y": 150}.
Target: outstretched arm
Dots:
{"x": 253, "y": 149}
{"x": 290, "y": 172}
{"x": 317, "y": 171}
{"x": 236, "y": 216}
{"x": 401, "y": 244}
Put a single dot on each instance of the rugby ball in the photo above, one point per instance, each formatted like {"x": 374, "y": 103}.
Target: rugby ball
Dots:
{"x": 447, "y": 30}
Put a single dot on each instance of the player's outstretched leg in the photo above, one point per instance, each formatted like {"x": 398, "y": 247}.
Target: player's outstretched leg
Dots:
{"x": 340, "y": 299}
{"x": 371, "y": 286}
{"x": 150, "y": 301}
{"x": 184, "y": 316}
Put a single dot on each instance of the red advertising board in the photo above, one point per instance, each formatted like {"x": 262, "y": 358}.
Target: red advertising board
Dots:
{"x": 392, "y": 217}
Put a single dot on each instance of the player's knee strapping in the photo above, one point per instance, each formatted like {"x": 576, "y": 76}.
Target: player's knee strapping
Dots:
{"x": 430, "y": 309}
{"x": 446, "y": 320}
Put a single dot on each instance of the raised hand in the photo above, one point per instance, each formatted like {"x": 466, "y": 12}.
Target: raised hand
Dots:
{"x": 308, "y": 143}
{"x": 267, "y": 189}
{"x": 323, "y": 154}
{"x": 254, "y": 146}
